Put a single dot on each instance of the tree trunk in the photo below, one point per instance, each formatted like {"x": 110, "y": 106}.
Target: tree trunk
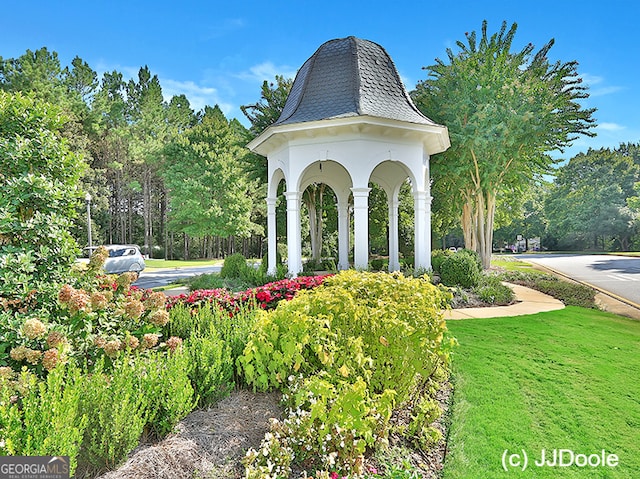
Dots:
{"x": 163, "y": 222}
{"x": 478, "y": 217}
{"x": 313, "y": 200}
{"x": 468, "y": 223}
{"x": 147, "y": 211}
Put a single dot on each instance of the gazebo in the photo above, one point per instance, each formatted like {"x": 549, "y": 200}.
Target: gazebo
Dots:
{"x": 349, "y": 121}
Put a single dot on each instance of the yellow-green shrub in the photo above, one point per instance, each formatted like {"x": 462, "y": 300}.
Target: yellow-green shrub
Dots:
{"x": 383, "y": 328}
{"x": 344, "y": 353}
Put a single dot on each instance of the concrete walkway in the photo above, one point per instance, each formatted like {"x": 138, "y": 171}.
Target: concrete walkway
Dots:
{"x": 529, "y": 301}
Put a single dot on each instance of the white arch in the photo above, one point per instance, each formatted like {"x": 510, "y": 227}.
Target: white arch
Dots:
{"x": 347, "y": 153}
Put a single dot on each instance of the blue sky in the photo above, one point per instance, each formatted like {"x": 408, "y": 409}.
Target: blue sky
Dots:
{"x": 220, "y": 52}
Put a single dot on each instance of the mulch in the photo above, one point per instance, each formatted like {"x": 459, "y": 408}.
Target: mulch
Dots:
{"x": 208, "y": 442}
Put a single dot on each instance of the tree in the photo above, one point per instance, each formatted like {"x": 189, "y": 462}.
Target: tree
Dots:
{"x": 208, "y": 187}
{"x": 505, "y": 112}
{"x": 521, "y": 213}
{"x": 149, "y": 135}
{"x": 39, "y": 179}
{"x": 263, "y": 114}
{"x": 587, "y": 206}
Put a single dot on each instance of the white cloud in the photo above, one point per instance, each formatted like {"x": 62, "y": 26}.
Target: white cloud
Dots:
{"x": 591, "y": 79}
{"x": 605, "y": 90}
{"x": 222, "y": 28}
{"x": 610, "y": 126}
{"x": 599, "y": 83}
{"x": 198, "y": 96}
{"x": 127, "y": 72}
{"x": 266, "y": 71}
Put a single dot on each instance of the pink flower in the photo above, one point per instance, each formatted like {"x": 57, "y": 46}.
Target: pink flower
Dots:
{"x": 334, "y": 475}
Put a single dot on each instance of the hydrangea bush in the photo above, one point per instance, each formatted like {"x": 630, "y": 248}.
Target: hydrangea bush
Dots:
{"x": 100, "y": 315}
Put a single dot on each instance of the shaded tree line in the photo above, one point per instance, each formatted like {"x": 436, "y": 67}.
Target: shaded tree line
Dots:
{"x": 160, "y": 174}
{"x": 593, "y": 203}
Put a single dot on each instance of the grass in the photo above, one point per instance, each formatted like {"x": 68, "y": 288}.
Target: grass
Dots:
{"x": 511, "y": 264}
{"x": 560, "y": 380}
{"x": 163, "y": 263}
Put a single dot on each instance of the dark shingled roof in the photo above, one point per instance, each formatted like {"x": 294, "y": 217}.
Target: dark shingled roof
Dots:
{"x": 349, "y": 77}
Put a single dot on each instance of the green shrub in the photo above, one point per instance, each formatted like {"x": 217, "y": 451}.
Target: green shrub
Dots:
{"x": 233, "y": 265}
{"x": 345, "y": 353}
{"x": 253, "y": 276}
{"x": 206, "y": 281}
{"x": 264, "y": 263}
{"x": 165, "y": 381}
{"x": 329, "y": 426}
{"x": 187, "y": 321}
{"x": 117, "y": 412}
{"x": 377, "y": 264}
{"x": 46, "y": 420}
{"x": 492, "y": 291}
{"x": 385, "y": 328}
{"x": 571, "y": 294}
{"x": 212, "y": 367}
{"x": 439, "y": 256}
{"x": 419, "y": 430}
{"x": 461, "y": 269}
{"x": 102, "y": 317}
{"x": 38, "y": 195}
{"x": 473, "y": 254}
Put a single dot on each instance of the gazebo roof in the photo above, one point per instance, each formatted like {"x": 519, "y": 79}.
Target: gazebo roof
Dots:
{"x": 349, "y": 77}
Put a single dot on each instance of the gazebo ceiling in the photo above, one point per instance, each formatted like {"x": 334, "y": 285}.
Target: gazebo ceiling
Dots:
{"x": 349, "y": 77}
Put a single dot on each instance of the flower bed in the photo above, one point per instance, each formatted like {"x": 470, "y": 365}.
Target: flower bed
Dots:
{"x": 266, "y": 297}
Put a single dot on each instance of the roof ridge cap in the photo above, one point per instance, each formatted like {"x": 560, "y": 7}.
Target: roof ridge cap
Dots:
{"x": 357, "y": 83}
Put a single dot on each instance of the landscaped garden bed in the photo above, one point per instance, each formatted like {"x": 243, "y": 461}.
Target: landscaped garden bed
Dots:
{"x": 105, "y": 366}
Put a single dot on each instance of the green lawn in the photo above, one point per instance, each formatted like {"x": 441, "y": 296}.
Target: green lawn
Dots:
{"x": 163, "y": 263}
{"x": 511, "y": 264}
{"x": 566, "y": 379}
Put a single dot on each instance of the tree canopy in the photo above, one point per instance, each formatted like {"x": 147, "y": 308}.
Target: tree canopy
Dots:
{"x": 211, "y": 196}
{"x": 587, "y": 204}
{"x": 39, "y": 190}
{"x": 506, "y": 111}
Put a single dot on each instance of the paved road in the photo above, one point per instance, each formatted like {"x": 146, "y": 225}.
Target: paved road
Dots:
{"x": 617, "y": 274}
{"x": 161, "y": 277}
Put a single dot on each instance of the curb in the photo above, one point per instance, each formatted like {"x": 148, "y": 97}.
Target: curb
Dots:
{"x": 597, "y": 288}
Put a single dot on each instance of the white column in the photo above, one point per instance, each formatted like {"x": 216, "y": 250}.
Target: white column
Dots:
{"x": 427, "y": 217}
{"x": 427, "y": 239}
{"x": 361, "y": 227}
{"x": 343, "y": 234}
{"x": 294, "y": 239}
{"x": 272, "y": 236}
{"x": 422, "y": 255}
{"x": 394, "y": 260}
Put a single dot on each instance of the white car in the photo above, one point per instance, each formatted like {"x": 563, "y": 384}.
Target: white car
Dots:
{"x": 122, "y": 258}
